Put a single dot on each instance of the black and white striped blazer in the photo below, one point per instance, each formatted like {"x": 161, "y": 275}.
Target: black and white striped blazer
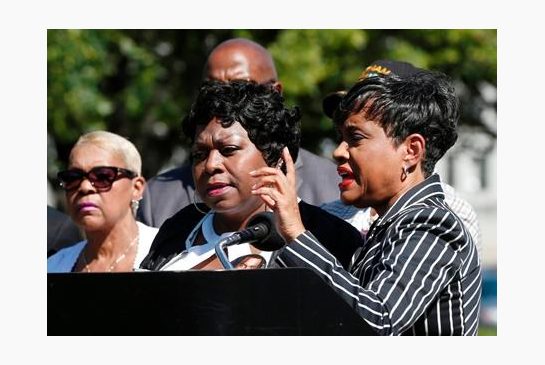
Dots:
{"x": 417, "y": 274}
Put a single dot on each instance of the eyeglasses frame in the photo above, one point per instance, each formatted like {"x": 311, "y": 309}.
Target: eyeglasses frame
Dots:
{"x": 120, "y": 174}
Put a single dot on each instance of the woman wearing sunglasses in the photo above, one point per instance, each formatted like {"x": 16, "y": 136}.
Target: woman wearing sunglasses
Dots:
{"x": 103, "y": 185}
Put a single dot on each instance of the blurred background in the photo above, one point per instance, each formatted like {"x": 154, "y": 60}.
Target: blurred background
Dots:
{"x": 140, "y": 83}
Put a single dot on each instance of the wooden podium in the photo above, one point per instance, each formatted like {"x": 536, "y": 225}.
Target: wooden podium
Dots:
{"x": 237, "y": 302}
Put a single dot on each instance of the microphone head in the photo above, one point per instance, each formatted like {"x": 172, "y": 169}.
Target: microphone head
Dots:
{"x": 272, "y": 241}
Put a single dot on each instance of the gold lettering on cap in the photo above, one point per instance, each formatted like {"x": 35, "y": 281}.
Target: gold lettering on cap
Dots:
{"x": 373, "y": 70}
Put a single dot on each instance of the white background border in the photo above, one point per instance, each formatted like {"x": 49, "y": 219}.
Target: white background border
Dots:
{"x": 520, "y": 130}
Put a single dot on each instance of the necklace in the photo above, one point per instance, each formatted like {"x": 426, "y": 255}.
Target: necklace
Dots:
{"x": 117, "y": 261}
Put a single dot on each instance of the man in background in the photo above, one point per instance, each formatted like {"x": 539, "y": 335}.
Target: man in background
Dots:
{"x": 237, "y": 59}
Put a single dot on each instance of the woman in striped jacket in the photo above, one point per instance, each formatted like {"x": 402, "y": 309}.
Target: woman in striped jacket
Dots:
{"x": 418, "y": 272}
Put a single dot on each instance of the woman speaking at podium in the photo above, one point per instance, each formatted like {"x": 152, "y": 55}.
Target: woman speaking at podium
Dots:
{"x": 236, "y": 127}
{"x": 418, "y": 272}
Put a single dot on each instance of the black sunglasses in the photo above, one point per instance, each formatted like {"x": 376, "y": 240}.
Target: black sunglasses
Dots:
{"x": 101, "y": 177}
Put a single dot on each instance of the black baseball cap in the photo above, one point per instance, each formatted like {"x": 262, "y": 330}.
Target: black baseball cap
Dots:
{"x": 380, "y": 67}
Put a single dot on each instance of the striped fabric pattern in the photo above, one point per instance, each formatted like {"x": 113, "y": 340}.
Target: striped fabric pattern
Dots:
{"x": 418, "y": 272}
{"x": 465, "y": 212}
{"x": 359, "y": 217}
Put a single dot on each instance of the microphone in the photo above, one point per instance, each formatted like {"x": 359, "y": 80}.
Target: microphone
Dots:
{"x": 272, "y": 241}
{"x": 261, "y": 233}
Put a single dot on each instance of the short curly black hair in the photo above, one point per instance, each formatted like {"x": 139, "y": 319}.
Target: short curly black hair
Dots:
{"x": 259, "y": 108}
{"x": 424, "y": 103}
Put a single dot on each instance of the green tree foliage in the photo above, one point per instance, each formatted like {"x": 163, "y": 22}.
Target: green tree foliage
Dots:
{"x": 140, "y": 83}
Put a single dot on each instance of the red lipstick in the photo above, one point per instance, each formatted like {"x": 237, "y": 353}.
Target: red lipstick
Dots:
{"x": 347, "y": 177}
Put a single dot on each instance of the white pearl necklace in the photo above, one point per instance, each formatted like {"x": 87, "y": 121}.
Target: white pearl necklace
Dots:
{"x": 117, "y": 261}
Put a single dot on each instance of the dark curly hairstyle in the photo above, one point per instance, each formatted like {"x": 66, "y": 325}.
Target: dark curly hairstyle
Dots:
{"x": 424, "y": 103}
{"x": 259, "y": 108}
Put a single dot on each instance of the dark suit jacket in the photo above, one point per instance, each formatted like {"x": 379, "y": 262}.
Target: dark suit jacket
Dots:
{"x": 337, "y": 236}
{"x": 167, "y": 193}
{"x": 61, "y": 231}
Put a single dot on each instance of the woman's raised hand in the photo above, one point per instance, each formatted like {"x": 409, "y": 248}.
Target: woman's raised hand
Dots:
{"x": 279, "y": 192}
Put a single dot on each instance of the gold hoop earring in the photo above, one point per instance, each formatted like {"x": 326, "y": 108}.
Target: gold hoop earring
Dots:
{"x": 195, "y": 203}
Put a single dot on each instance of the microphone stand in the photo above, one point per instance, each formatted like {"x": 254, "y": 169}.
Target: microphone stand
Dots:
{"x": 234, "y": 239}
{"x": 222, "y": 255}
{"x": 262, "y": 230}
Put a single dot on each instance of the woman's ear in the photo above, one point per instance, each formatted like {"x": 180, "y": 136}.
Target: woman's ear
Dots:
{"x": 277, "y": 85}
{"x": 414, "y": 149}
{"x": 139, "y": 184}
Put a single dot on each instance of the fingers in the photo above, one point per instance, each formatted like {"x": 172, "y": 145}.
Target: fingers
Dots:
{"x": 290, "y": 166}
{"x": 264, "y": 171}
{"x": 289, "y": 177}
{"x": 274, "y": 187}
{"x": 270, "y": 181}
{"x": 268, "y": 195}
{"x": 278, "y": 191}
{"x": 270, "y": 202}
